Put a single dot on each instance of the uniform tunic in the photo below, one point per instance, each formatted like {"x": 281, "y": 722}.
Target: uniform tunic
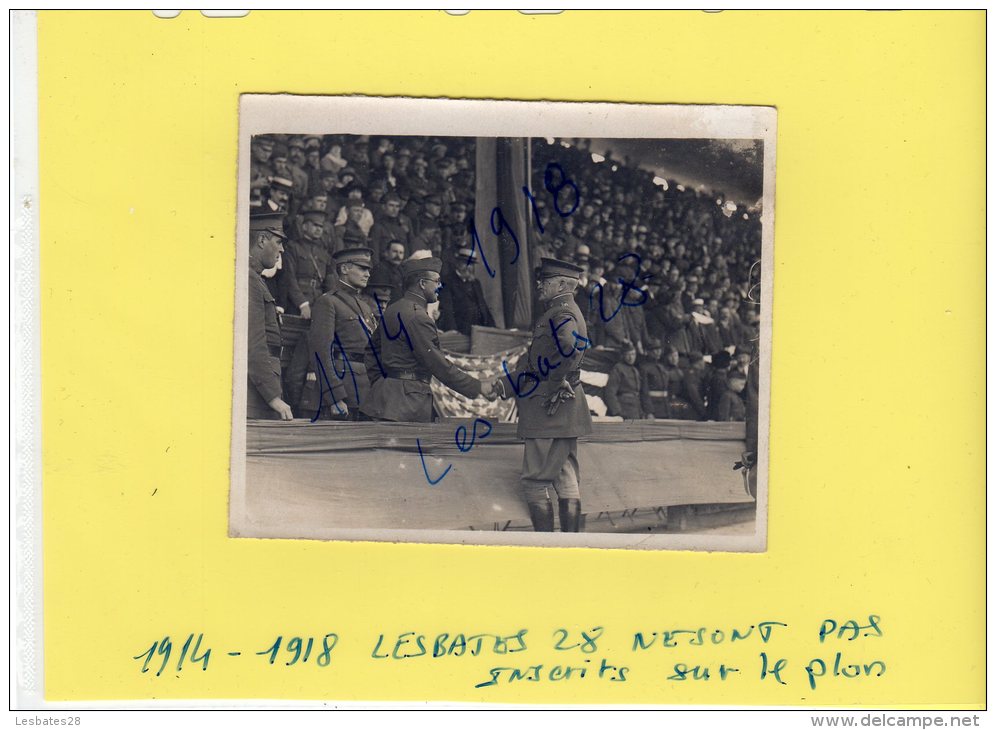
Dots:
{"x": 306, "y": 266}
{"x": 730, "y": 407}
{"x": 429, "y": 235}
{"x": 405, "y": 358}
{"x": 337, "y": 338}
{"x": 622, "y": 392}
{"x": 263, "y": 366}
{"x": 655, "y": 386}
{"x": 550, "y": 458}
{"x": 692, "y": 391}
{"x": 559, "y": 341}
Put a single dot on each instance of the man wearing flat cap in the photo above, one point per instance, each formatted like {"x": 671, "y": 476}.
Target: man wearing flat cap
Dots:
{"x": 337, "y": 383}
{"x": 405, "y": 355}
{"x": 553, "y": 410}
{"x": 263, "y": 394}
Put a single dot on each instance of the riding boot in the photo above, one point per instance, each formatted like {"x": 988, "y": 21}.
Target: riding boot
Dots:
{"x": 570, "y": 515}
{"x": 541, "y": 513}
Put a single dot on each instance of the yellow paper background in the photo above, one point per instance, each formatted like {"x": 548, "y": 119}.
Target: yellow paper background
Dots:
{"x": 878, "y": 381}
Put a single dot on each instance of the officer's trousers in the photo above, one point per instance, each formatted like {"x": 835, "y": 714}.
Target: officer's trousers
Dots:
{"x": 550, "y": 463}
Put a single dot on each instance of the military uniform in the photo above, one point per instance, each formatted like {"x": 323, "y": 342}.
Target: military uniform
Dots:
{"x": 307, "y": 265}
{"x": 623, "y": 391}
{"x": 428, "y": 232}
{"x": 338, "y": 340}
{"x": 263, "y": 363}
{"x": 553, "y": 409}
{"x": 406, "y": 356}
{"x": 655, "y": 383}
{"x": 730, "y": 407}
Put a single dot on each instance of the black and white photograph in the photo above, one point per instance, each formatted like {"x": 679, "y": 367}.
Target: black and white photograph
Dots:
{"x": 502, "y": 323}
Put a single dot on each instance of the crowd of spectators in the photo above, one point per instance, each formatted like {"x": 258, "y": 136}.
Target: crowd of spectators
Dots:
{"x": 671, "y": 272}
{"x": 671, "y": 284}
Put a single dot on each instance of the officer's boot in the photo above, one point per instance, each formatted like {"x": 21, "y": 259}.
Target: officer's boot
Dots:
{"x": 541, "y": 513}
{"x": 570, "y": 515}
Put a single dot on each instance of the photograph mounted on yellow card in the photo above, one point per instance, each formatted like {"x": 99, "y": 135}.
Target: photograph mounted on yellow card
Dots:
{"x": 150, "y": 581}
{"x": 498, "y": 334}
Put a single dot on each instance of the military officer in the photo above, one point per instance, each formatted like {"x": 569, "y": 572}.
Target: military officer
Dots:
{"x": 553, "y": 410}
{"x": 263, "y": 393}
{"x": 337, "y": 382}
{"x": 405, "y": 353}
{"x": 306, "y": 265}
{"x": 260, "y": 169}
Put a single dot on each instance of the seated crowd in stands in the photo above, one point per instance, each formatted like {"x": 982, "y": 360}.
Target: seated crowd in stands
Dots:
{"x": 682, "y": 313}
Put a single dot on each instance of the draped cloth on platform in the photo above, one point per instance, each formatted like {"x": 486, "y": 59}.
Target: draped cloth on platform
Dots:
{"x": 303, "y": 479}
{"x": 450, "y": 404}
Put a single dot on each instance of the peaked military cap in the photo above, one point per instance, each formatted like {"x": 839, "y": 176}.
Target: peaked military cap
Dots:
{"x": 417, "y": 266}
{"x": 555, "y": 267}
{"x": 270, "y": 222}
{"x": 359, "y": 255}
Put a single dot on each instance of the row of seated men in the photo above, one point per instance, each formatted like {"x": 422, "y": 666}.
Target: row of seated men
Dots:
{"x": 671, "y": 386}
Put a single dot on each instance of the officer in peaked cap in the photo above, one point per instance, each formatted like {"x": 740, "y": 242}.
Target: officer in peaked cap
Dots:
{"x": 264, "y": 397}
{"x": 405, "y": 354}
{"x": 337, "y": 339}
{"x": 553, "y": 410}
{"x": 307, "y": 264}
{"x": 307, "y": 274}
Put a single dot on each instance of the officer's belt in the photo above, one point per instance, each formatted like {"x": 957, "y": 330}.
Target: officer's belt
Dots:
{"x": 422, "y": 377}
{"x": 573, "y": 377}
{"x": 351, "y": 356}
